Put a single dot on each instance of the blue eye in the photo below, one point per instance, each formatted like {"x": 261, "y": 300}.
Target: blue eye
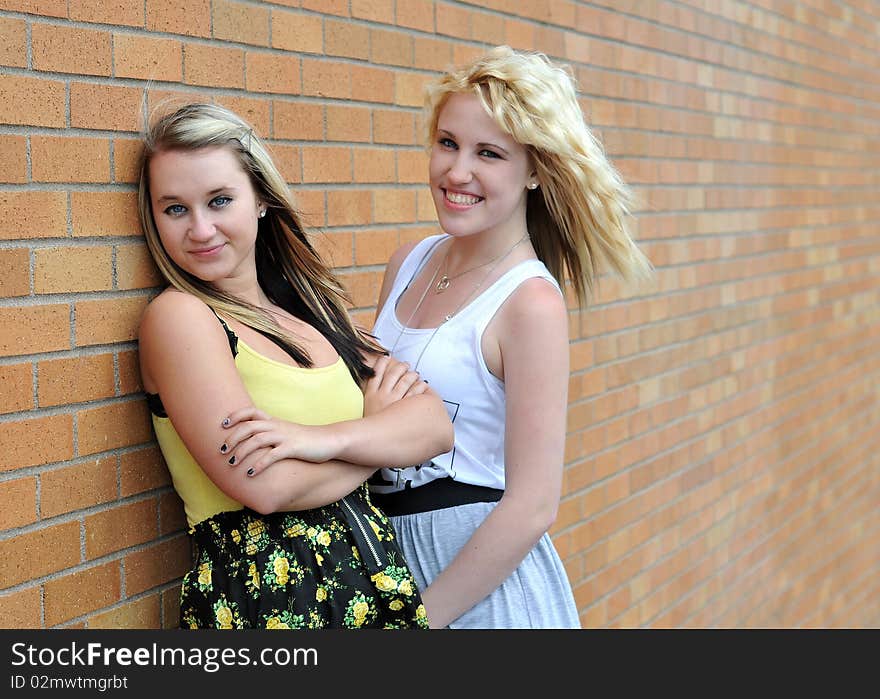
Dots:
{"x": 446, "y": 142}
{"x": 175, "y": 210}
{"x": 489, "y": 153}
{"x": 221, "y": 201}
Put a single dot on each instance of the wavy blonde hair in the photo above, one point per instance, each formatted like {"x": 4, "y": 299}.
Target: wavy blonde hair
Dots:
{"x": 577, "y": 218}
{"x": 289, "y": 270}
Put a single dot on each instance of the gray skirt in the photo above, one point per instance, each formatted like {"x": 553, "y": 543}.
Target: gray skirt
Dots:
{"x": 537, "y": 595}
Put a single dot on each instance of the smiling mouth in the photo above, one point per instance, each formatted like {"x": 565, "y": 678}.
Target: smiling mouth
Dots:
{"x": 461, "y": 199}
{"x": 207, "y": 251}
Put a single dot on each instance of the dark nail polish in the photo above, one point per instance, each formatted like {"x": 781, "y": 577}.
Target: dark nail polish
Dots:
{"x": 250, "y": 472}
{"x": 223, "y": 449}
{"x": 232, "y": 460}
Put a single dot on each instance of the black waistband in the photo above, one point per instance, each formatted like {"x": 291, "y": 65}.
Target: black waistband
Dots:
{"x": 436, "y": 495}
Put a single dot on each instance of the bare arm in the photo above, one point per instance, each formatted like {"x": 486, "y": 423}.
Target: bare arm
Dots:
{"x": 533, "y": 334}
{"x": 185, "y": 357}
{"x": 404, "y": 423}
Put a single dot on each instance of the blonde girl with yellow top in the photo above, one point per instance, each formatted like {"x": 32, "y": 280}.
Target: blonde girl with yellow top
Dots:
{"x": 270, "y": 407}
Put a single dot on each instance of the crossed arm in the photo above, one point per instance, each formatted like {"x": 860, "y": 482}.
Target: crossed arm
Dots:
{"x": 185, "y": 358}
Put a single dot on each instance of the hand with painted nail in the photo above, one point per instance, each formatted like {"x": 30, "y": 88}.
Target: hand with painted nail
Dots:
{"x": 255, "y": 441}
{"x": 393, "y": 381}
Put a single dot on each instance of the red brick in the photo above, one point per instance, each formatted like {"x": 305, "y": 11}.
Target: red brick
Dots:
{"x": 172, "y": 517}
{"x": 268, "y": 72}
{"x": 391, "y": 47}
{"x": 18, "y": 387}
{"x": 374, "y": 165}
{"x": 15, "y": 276}
{"x": 214, "y": 66}
{"x": 157, "y": 564}
{"x": 453, "y": 21}
{"x": 164, "y": 16}
{"x": 21, "y": 610}
{"x": 412, "y": 166}
{"x": 69, "y": 269}
{"x": 416, "y": 14}
{"x": 13, "y": 42}
{"x": 32, "y": 101}
{"x": 19, "y": 502}
{"x": 108, "y": 320}
{"x": 36, "y": 441}
{"x": 75, "y": 379}
{"x": 326, "y": 164}
{"x": 348, "y": 123}
{"x": 121, "y": 527}
{"x": 82, "y": 592}
{"x": 31, "y": 329}
{"x": 129, "y": 373}
{"x": 345, "y": 39}
{"x": 288, "y": 161}
{"x": 77, "y": 487}
{"x": 294, "y": 31}
{"x": 127, "y": 12}
{"x": 347, "y": 208}
{"x": 298, "y": 121}
{"x": 135, "y": 268}
{"x": 142, "y": 470}
{"x": 394, "y": 206}
{"x": 376, "y": 10}
{"x": 330, "y": 7}
{"x": 113, "y": 426}
{"x": 393, "y": 126}
{"x": 147, "y": 58}
{"x": 241, "y": 23}
{"x": 255, "y": 111}
{"x": 409, "y": 89}
{"x": 126, "y": 159}
{"x": 104, "y": 214}
{"x": 35, "y": 554}
{"x": 63, "y": 49}
{"x": 108, "y": 107}
{"x": 13, "y": 159}
{"x": 374, "y": 247}
{"x": 371, "y": 84}
{"x": 326, "y": 79}
{"x": 70, "y": 159}
{"x": 140, "y": 614}
{"x": 432, "y": 54}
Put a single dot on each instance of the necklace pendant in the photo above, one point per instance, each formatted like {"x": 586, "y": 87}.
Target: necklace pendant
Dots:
{"x": 443, "y": 284}
{"x": 448, "y": 318}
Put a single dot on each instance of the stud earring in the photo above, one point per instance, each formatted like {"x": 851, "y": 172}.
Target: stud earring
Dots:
{"x": 263, "y": 214}
{"x": 532, "y": 185}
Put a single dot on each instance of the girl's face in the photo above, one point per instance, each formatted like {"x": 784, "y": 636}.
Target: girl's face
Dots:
{"x": 478, "y": 174}
{"x": 206, "y": 212}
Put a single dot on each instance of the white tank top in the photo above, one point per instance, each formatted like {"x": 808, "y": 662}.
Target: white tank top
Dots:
{"x": 454, "y": 367}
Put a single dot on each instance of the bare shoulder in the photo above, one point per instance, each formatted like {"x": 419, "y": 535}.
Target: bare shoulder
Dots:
{"x": 535, "y": 305}
{"x": 175, "y": 308}
{"x": 172, "y": 322}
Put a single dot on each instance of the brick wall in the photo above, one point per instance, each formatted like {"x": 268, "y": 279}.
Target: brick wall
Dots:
{"x": 722, "y": 453}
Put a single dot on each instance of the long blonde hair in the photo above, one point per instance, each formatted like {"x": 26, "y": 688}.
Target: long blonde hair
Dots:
{"x": 577, "y": 218}
{"x": 289, "y": 270}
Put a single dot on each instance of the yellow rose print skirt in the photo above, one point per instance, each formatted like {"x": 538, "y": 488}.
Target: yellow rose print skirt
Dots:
{"x": 336, "y": 566}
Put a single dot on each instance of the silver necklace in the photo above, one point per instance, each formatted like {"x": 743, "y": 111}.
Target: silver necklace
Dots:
{"x": 446, "y": 280}
{"x": 498, "y": 260}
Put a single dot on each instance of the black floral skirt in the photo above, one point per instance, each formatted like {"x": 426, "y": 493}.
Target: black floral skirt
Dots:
{"x": 336, "y": 566}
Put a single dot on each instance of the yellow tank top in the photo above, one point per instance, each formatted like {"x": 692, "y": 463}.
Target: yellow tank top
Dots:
{"x": 316, "y": 396}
